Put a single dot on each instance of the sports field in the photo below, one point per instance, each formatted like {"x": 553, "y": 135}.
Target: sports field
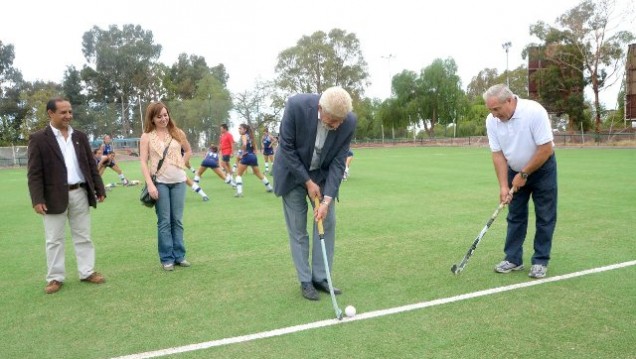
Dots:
{"x": 405, "y": 216}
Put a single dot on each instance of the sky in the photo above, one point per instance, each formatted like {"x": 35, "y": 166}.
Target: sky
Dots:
{"x": 247, "y": 35}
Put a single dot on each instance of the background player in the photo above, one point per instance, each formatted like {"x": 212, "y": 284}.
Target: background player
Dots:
{"x": 108, "y": 160}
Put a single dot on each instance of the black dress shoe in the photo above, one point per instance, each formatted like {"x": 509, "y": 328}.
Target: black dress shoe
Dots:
{"x": 308, "y": 291}
{"x": 324, "y": 287}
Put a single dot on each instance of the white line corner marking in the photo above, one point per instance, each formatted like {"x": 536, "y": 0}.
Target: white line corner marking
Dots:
{"x": 369, "y": 315}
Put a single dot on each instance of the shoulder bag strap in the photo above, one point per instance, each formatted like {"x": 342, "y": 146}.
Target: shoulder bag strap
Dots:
{"x": 165, "y": 151}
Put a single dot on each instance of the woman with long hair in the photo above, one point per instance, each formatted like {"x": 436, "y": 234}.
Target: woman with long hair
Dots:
{"x": 169, "y": 187}
{"x": 248, "y": 158}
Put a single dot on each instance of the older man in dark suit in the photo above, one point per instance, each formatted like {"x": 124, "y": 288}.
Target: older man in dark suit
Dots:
{"x": 63, "y": 183}
{"x": 314, "y": 137}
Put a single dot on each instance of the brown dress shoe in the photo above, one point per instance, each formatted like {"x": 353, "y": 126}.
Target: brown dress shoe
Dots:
{"x": 52, "y": 287}
{"x": 95, "y": 278}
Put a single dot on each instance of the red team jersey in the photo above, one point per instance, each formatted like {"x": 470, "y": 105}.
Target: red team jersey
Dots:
{"x": 227, "y": 143}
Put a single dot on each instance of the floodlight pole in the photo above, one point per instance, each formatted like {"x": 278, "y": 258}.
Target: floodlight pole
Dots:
{"x": 506, "y": 46}
{"x": 388, "y": 59}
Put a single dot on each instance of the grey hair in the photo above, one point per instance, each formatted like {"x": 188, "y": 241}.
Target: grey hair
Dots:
{"x": 500, "y": 91}
{"x": 336, "y": 102}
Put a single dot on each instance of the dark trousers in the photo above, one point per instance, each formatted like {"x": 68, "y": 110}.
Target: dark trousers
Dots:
{"x": 542, "y": 186}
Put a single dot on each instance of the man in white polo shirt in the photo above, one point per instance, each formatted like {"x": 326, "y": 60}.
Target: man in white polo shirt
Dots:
{"x": 521, "y": 141}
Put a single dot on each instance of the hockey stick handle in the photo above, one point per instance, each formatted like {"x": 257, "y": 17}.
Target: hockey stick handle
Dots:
{"x": 321, "y": 229}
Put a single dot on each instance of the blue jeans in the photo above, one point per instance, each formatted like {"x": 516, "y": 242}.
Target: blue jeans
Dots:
{"x": 542, "y": 185}
{"x": 169, "y": 209}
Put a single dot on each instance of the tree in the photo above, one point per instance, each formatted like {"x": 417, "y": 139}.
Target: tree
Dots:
{"x": 440, "y": 94}
{"x": 401, "y": 110}
{"x": 369, "y": 124}
{"x": 322, "y": 60}
{"x": 560, "y": 89}
{"x": 587, "y": 41}
{"x": 480, "y": 83}
{"x": 34, "y": 99}
{"x": 259, "y": 107}
{"x": 12, "y": 108}
{"x": 187, "y": 72}
{"x": 119, "y": 69}
{"x": 200, "y": 116}
{"x": 7, "y": 55}
{"x": 488, "y": 77}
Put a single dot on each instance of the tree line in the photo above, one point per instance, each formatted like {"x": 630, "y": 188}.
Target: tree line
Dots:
{"x": 122, "y": 74}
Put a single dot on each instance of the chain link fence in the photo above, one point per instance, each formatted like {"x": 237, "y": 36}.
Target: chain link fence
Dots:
{"x": 14, "y": 156}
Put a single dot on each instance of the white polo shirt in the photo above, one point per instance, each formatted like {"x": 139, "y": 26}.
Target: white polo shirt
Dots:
{"x": 519, "y": 137}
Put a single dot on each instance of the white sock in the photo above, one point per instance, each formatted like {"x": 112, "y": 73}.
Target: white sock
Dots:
{"x": 122, "y": 177}
{"x": 239, "y": 184}
{"x": 197, "y": 179}
{"x": 267, "y": 185}
{"x": 266, "y": 167}
{"x": 196, "y": 188}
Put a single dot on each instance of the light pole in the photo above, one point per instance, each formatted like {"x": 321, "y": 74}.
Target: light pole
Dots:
{"x": 506, "y": 46}
{"x": 388, "y": 59}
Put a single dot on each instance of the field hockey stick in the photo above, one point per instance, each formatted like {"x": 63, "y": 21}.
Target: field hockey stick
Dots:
{"x": 457, "y": 268}
{"x": 321, "y": 234}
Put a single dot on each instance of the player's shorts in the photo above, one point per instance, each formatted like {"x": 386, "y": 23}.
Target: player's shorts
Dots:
{"x": 268, "y": 151}
{"x": 350, "y": 153}
{"x": 109, "y": 163}
{"x": 210, "y": 163}
{"x": 226, "y": 158}
{"x": 249, "y": 159}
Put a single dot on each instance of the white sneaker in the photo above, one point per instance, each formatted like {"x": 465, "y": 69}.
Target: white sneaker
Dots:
{"x": 507, "y": 267}
{"x": 169, "y": 267}
{"x": 538, "y": 271}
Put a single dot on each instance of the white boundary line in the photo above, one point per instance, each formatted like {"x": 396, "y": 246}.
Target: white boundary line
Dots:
{"x": 369, "y": 315}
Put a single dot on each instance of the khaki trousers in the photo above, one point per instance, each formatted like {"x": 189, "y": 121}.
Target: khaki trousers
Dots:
{"x": 78, "y": 216}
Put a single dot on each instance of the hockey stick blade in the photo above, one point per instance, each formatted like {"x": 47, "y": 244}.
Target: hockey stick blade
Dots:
{"x": 457, "y": 268}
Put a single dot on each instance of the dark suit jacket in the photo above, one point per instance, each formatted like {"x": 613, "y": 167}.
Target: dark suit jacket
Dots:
{"x": 47, "y": 175}
{"x": 296, "y": 142}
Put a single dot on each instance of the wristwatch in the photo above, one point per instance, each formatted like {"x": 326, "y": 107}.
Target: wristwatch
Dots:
{"x": 524, "y": 175}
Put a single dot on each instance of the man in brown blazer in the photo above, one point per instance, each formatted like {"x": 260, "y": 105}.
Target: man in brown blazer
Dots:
{"x": 63, "y": 183}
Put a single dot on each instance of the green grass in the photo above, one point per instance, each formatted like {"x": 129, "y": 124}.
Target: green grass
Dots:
{"x": 405, "y": 216}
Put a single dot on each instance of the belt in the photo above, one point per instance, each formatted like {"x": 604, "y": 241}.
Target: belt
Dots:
{"x": 76, "y": 186}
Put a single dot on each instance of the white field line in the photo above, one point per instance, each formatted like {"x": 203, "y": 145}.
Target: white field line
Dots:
{"x": 369, "y": 315}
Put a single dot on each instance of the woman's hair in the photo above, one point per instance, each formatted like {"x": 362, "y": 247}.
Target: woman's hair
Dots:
{"x": 248, "y": 131}
{"x": 213, "y": 148}
{"x": 152, "y": 111}
{"x": 336, "y": 102}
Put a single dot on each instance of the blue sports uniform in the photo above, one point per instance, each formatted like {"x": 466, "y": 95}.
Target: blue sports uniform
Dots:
{"x": 268, "y": 150}
{"x": 350, "y": 153}
{"x": 108, "y": 149}
{"x": 211, "y": 160}
{"x": 249, "y": 158}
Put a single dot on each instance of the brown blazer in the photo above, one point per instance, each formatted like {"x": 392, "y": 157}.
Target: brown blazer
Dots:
{"x": 47, "y": 175}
